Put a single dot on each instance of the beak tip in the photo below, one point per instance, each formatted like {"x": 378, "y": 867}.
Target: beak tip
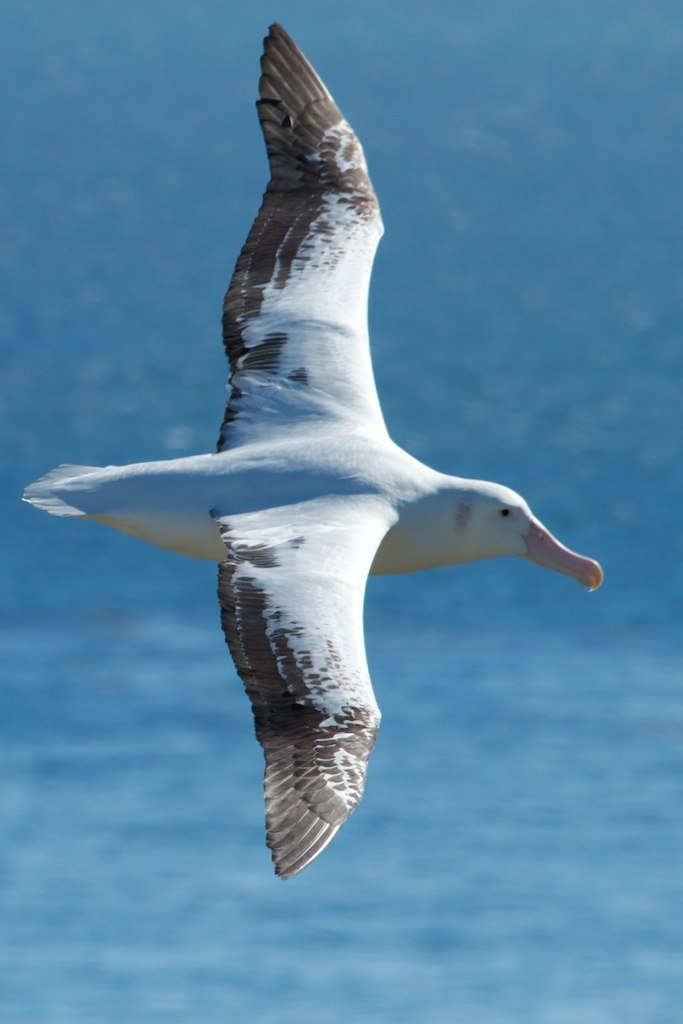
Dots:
{"x": 546, "y": 550}
{"x": 596, "y": 576}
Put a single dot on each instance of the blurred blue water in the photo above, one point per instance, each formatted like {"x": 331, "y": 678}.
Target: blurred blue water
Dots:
{"x": 517, "y": 856}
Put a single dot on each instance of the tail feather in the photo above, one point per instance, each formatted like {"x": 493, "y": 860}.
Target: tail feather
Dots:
{"x": 41, "y": 493}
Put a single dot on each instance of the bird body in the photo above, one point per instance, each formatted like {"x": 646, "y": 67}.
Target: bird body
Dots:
{"x": 307, "y": 494}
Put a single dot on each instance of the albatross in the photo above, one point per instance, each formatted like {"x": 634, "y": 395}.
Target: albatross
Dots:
{"x": 306, "y": 493}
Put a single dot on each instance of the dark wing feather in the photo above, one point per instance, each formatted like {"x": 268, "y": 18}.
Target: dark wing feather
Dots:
{"x": 291, "y": 593}
{"x": 295, "y": 314}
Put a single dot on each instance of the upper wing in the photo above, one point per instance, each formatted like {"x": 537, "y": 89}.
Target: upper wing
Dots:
{"x": 291, "y": 593}
{"x": 295, "y": 314}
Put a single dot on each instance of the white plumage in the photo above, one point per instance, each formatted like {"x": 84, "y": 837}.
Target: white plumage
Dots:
{"x": 307, "y": 494}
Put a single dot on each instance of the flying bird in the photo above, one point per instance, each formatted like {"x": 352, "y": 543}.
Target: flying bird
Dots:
{"x": 306, "y": 493}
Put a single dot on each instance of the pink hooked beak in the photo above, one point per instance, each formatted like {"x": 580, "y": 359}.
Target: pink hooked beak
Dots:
{"x": 543, "y": 549}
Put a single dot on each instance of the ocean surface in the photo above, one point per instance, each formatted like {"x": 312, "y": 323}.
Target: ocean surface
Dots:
{"x": 518, "y": 856}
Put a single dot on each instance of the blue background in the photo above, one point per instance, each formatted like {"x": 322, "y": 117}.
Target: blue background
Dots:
{"x": 518, "y": 855}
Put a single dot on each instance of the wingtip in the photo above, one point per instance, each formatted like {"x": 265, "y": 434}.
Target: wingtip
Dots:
{"x": 276, "y": 32}
{"x": 290, "y": 860}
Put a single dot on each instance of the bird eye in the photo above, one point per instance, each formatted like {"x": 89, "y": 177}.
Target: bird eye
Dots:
{"x": 505, "y": 511}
